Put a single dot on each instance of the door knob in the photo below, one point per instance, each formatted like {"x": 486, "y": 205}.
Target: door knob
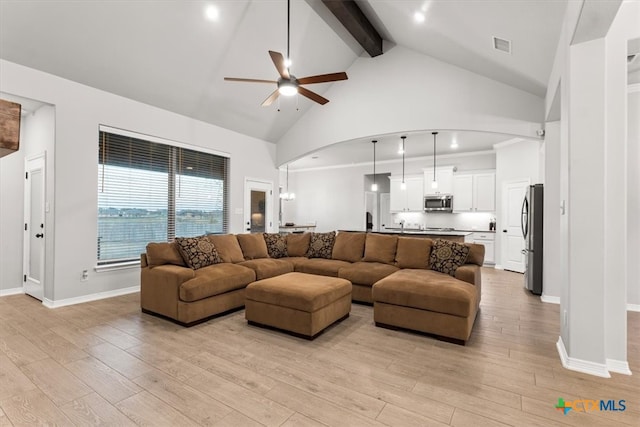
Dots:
{"x": 40, "y": 235}
{"x": 504, "y": 231}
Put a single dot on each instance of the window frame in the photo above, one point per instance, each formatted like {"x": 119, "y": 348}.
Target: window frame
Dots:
{"x": 117, "y": 264}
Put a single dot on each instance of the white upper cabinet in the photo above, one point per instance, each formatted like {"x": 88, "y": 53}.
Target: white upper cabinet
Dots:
{"x": 444, "y": 178}
{"x": 474, "y": 192}
{"x": 409, "y": 199}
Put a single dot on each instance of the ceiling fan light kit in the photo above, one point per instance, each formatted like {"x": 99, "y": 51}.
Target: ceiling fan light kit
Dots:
{"x": 287, "y": 84}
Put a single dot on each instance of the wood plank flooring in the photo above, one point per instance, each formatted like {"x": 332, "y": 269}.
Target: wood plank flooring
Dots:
{"x": 106, "y": 363}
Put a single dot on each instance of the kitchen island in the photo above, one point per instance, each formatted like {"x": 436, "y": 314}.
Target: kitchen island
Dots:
{"x": 439, "y": 233}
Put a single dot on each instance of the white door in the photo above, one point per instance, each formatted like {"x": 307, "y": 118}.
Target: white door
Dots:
{"x": 258, "y": 211}
{"x": 34, "y": 232}
{"x": 512, "y": 240}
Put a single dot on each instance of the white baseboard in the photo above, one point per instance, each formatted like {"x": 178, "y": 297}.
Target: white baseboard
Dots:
{"x": 549, "y": 299}
{"x": 578, "y": 365}
{"x": 498, "y": 267}
{"x": 618, "y": 366}
{"x": 91, "y": 297}
{"x": 633, "y": 307}
{"x": 12, "y": 291}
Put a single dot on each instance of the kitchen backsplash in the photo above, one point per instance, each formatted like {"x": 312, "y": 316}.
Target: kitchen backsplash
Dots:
{"x": 459, "y": 221}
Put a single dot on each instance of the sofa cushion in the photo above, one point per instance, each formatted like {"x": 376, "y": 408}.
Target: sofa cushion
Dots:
{"x": 320, "y": 266}
{"x": 228, "y": 247}
{"x": 427, "y": 290}
{"x": 447, "y": 256}
{"x": 366, "y": 273}
{"x": 268, "y": 267}
{"x": 197, "y": 252}
{"x": 253, "y": 246}
{"x": 276, "y": 244}
{"x": 298, "y": 244}
{"x": 413, "y": 252}
{"x": 476, "y": 253}
{"x": 349, "y": 246}
{"x": 321, "y": 245}
{"x": 215, "y": 280}
{"x": 380, "y": 248}
{"x": 163, "y": 253}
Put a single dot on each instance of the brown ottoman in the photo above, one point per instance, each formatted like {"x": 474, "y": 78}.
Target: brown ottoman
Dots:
{"x": 303, "y": 304}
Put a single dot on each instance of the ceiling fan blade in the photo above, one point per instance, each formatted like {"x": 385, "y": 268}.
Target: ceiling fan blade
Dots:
{"x": 312, "y": 95}
{"x": 323, "y": 78}
{"x": 274, "y": 95}
{"x": 237, "y": 79}
{"x": 278, "y": 61}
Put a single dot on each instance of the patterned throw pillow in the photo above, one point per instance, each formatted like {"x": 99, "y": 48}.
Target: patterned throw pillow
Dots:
{"x": 447, "y": 256}
{"x": 197, "y": 252}
{"x": 321, "y": 245}
{"x": 276, "y": 244}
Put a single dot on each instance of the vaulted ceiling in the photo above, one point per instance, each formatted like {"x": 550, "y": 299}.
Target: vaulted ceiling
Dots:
{"x": 169, "y": 55}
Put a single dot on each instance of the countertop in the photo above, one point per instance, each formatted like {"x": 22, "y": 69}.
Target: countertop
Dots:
{"x": 426, "y": 232}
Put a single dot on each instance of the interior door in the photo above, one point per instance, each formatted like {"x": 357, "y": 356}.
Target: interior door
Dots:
{"x": 257, "y": 206}
{"x": 34, "y": 232}
{"x": 513, "y": 242}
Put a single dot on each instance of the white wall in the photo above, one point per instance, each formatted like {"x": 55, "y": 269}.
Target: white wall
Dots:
{"x": 633, "y": 201}
{"x": 334, "y": 197}
{"x": 514, "y": 162}
{"x": 79, "y": 112}
{"x": 404, "y": 90}
{"x": 552, "y": 276}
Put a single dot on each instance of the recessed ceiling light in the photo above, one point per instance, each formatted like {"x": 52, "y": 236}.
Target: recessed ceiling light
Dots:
{"x": 418, "y": 17}
{"x": 454, "y": 145}
{"x": 212, "y": 13}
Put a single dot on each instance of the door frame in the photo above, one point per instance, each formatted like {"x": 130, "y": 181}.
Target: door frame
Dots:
{"x": 258, "y": 184}
{"x": 40, "y": 161}
{"x": 504, "y": 211}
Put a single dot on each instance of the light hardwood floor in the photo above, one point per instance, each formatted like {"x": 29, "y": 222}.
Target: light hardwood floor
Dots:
{"x": 106, "y": 363}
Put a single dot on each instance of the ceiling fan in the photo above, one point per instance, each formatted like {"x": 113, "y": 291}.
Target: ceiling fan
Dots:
{"x": 288, "y": 84}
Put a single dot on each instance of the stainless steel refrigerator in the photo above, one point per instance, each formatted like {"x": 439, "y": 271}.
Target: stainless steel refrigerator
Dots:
{"x": 531, "y": 223}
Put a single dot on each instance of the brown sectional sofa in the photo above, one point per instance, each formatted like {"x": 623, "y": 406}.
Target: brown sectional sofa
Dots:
{"x": 390, "y": 272}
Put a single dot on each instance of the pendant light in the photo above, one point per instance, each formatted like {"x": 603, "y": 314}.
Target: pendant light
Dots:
{"x": 286, "y": 196}
{"x": 434, "y": 183}
{"x": 374, "y": 186}
{"x": 403, "y": 185}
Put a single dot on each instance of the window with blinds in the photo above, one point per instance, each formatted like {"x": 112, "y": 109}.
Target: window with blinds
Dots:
{"x": 153, "y": 192}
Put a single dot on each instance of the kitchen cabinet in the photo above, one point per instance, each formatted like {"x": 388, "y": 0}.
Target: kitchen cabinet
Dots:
{"x": 474, "y": 192}
{"x": 444, "y": 177}
{"x": 488, "y": 240}
{"x": 409, "y": 199}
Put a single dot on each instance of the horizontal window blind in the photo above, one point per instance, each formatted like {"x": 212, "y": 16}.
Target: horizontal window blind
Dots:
{"x": 153, "y": 192}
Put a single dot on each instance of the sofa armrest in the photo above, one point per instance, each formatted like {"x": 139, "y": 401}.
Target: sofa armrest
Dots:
{"x": 470, "y": 273}
{"x": 143, "y": 260}
{"x": 160, "y": 288}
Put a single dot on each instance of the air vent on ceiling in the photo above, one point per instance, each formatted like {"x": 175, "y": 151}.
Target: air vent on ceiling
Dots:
{"x": 630, "y": 58}
{"x": 502, "y": 45}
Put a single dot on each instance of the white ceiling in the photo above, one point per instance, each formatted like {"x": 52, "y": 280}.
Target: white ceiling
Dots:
{"x": 166, "y": 54}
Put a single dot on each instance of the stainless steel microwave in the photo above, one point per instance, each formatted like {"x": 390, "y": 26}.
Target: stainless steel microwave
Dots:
{"x": 438, "y": 203}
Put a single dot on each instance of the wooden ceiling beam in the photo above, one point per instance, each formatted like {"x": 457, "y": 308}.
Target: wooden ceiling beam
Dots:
{"x": 351, "y": 16}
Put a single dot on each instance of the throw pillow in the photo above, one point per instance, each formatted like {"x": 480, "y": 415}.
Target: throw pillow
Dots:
{"x": 276, "y": 244}
{"x": 197, "y": 252}
{"x": 321, "y": 245}
{"x": 253, "y": 246}
{"x": 447, "y": 256}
